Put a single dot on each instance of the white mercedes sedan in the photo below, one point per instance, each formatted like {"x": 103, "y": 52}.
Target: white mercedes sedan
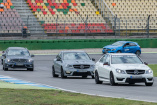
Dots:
{"x": 117, "y": 68}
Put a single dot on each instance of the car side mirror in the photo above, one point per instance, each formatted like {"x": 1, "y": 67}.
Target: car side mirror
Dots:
{"x": 32, "y": 55}
{"x": 58, "y": 59}
{"x": 145, "y": 63}
{"x": 93, "y": 59}
{"x": 106, "y": 63}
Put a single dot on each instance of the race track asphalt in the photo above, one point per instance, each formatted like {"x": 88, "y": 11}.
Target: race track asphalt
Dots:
{"x": 42, "y": 75}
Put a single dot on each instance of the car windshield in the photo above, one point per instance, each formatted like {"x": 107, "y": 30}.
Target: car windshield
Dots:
{"x": 18, "y": 52}
{"x": 117, "y": 44}
{"x": 125, "y": 59}
{"x": 75, "y": 56}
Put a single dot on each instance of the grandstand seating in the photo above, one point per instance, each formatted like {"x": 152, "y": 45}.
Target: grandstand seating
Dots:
{"x": 135, "y": 12}
{"x": 71, "y": 18}
{"x": 10, "y": 21}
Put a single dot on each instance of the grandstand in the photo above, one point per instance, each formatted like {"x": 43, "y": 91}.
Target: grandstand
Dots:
{"x": 132, "y": 14}
{"x": 10, "y": 21}
{"x": 68, "y": 16}
{"x": 48, "y": 17}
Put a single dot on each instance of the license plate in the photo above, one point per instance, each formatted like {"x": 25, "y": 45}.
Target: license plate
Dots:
{"x": 81, "y": 70}
{"x": 136, "y": 77}
{"x": 19, "y": 64}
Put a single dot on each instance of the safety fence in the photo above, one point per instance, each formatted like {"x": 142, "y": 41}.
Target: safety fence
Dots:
{"x": 71, "y": 43}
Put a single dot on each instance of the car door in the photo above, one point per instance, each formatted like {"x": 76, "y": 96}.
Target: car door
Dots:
{"x": 4, "y": 55}
{"x": 126, "y": 48}
{"x": 58, "y": 63}
{"x": 106, "y": 68}
{"x": 102, "y": 67}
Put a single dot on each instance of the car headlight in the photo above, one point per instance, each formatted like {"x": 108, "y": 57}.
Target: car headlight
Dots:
{"x": 8, "y": 60}
{"x": 69, "y": 66}
{"x": 120, "y": 71}
{"x": 30, "y": 60}
{"x": 149, "y": 71}
{"x": 92, "y": 66}
{"x": 113, "y": 49}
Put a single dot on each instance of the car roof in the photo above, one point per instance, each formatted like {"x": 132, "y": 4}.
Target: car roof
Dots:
{"x": 121, "y": 53}
{"x": 16, "y": 48}
{"x": 72, "y": 51}
{"x": 126, "y": 41}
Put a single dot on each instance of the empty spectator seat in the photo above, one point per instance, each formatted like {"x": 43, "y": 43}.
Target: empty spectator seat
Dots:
{"x": 68, "y": 16}
{"x": 10, "y": 21}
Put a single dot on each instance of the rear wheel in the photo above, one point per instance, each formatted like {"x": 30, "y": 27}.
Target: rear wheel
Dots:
{"x": 97, "y": 81}
{"x": 53, "y": 72}
{"x": 112, "y": 82}
{"x": 138, "y": 53}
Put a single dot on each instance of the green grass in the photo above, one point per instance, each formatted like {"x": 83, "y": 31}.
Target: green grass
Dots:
{"x": 56, "y": 97}
{"x": 154, "y": 68}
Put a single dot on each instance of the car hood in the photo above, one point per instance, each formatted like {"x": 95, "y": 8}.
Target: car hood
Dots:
{"x": 130, "y": 66}
{"x": 18, "y": 57}
{"x": 111, "y": 46}
{"x": 72, "y": 62}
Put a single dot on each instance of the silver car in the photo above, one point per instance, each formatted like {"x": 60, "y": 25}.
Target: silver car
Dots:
{"x": 73, "y": 63}
{"x": 17, "y": 57}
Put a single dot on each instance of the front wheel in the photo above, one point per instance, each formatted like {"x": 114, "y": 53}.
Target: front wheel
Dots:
{"x": 97, "y": 81}
{"x": 30, "y": 69}
{"x": 92, "y": 77}
{"x": 53, "y": 72}
{"x": 84, "y": 76}
{"x": 5, "y": 69}
{"x": 112, "y": 82}
{"x": 148, "y": 84}
{"x": 2, "y": 62}
{"x": 119, "y": 51}
{"x": 62, "y": 74}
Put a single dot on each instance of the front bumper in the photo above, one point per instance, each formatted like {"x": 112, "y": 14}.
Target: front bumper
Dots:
{"x": 21, "y": 65}
{"x": 78, "y": 72}
{"x": 104, "y": 52}
{"x": 127, "y": 78}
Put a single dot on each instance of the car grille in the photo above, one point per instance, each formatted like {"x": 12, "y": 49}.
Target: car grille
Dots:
{"x": 135, "y": 72}
{"x": 81, "y": 66}
{"x": 105, "y": 49}
{"x": 19, "y": 60}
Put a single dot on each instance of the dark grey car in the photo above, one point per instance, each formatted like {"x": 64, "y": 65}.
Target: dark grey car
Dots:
{"x": 17, "y": 57}
{"x": 73, "y": 63}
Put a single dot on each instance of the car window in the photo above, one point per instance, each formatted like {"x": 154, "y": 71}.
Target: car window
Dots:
{"x": 117, "y": 44}
{"x": 125, "y": 59}
{"x": 132, "y": 44}
{"x": 75, "y": 56}
{"x": 127, "y": 45}
{"x": 104, "y": 59}
{"x": 107, "y": 59}
{"x": 18, "y": 52}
